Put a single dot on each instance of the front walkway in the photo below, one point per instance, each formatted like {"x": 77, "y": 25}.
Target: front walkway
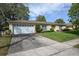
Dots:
{"x": 50, "y": 48}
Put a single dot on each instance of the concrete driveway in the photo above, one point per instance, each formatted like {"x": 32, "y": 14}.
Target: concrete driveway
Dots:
{"x": 28, "y": 42}
{"x": 35, "y": 45}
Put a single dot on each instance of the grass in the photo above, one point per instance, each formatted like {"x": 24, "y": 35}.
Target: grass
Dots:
{"x": 59, "y": 36}
{"x": 76, "y": 46}
{"x": 76, "y": 32}
{"x": 4, "y": 41}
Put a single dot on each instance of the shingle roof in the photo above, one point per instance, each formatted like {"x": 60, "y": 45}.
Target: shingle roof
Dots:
{"x": 30, "y": 22}
{"x": 35, "y": 22}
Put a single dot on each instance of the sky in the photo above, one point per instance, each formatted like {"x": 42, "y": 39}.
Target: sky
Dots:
{"x": 51, "y": 11}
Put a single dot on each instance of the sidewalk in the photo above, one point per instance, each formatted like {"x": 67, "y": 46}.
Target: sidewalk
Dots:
{"x": 43, "y": 51}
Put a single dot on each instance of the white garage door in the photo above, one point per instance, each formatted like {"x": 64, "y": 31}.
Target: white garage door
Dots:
{"x": 24, "y": 29}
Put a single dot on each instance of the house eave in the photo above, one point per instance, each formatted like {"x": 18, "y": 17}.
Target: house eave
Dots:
{"x": 30, "y": 22}
{"x": 34, "y": 22}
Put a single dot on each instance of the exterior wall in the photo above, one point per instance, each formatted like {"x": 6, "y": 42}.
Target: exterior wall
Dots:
{"x": 71, "y": 28}
{"x": 74, "y": 27}
{"x": 34, "y": 29}
{"x": 57, "y": 28}
{"x": 63, "y": 27}
{"x": 48, "y": 27}
{"x": 11, "y": 28}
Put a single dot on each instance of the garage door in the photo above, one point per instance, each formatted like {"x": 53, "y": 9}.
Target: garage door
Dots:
{"x": 24, "y": 29}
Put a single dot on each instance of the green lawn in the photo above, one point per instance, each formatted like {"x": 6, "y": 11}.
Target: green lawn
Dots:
{"x": 4, "y": 41}
{"x": 59, "y": 36}
{"x": 76, "y": 46}
{"x": 76, "y": 32}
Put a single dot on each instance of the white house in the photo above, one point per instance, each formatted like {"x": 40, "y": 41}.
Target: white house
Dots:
{"x": 27, "y": 27}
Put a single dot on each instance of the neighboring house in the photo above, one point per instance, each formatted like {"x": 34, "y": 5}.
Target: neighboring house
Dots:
{"x": 27, "y": 27}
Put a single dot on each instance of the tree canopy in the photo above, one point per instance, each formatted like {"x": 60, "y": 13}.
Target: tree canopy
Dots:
{"x": 73, "y": 13}
{"x": 41, "y": 18}
{"x": 59, "y": 21}
{"x": 14, "y": 11}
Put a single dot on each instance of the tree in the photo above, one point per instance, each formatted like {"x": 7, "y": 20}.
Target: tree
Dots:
{"x": 12, "y": 11}
{"x": 61, "y": 21}
{"x": 22, "y": 11}
{"x": 41, "y": 18}
{"x": 73, "y": 13}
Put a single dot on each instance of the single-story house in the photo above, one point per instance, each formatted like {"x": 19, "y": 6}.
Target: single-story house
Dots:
{"x": 27, "y": 27}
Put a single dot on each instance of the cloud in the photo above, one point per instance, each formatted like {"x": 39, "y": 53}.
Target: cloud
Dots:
{"x": 47, "y": 8}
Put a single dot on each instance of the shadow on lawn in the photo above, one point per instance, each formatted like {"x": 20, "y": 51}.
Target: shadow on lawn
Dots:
{"x": 76, "y": 32}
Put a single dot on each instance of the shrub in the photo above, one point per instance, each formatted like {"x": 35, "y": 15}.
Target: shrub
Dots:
{"x": 66, "y": 29}
{"x": 52, "y": 29}
{"x": 38, "y": 29}
{"x": 7, "y": 32}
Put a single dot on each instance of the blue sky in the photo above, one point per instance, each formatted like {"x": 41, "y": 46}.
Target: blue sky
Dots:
{"x": 51, "y": 11}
